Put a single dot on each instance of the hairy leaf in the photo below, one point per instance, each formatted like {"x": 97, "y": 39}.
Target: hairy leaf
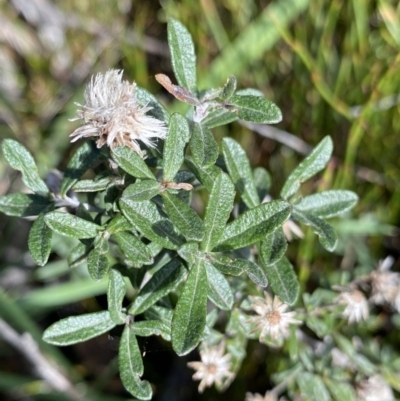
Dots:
{"x": 131, "y": 162}
{"x": 311, "y": 165}
{"x": 115, "y": 295}
{"x": 203, "y": 146}
{"x": 77, "y": 329}
{"x": 39, "y": 241}
{"x": 219, "y": 290}
{"x": 20, "y": 159}
{"x": 190, "y": 313}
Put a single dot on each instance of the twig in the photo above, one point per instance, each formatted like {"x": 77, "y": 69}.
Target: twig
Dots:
{"x": 46, "y": 370}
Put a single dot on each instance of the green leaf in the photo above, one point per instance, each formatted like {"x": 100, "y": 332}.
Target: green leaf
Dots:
{"x": 283, "y": 280}
{"x": 219, "y": 207}
{"x": 254, "y": 272}
{"x": 152, "y": 223}
{"x": 273, "y": 247}
{"x": 312, "y": 387}
{"x": 325, "y": 232}
{"x": 255, "y": 109}
{"x": 71, "y": 226}
{"x": 239, "y": 169}
{"x": 189, "y": 252}
{"x": 97, "y": 264}
{"x": 147, "y": 328}
{"x": 174, "y": 146}
{"x": 23, "y": 205}
{"x": 205, "y": 174}
{"x": 311, "y": 165}
{"x": 142, "y": 190}
{"x": 115, "y": 295}
{"x": 226, "y": 264}
{"x": 229, "y": 88}
{"x": 218, "y": 117}
{"x": 183, "y": 57}
{"x": 20, "y": 159}
{"x": 91, "y": 185}
{"x": 219, "y": 291}
{"x": 119, "y": 223}
{"x": 39, "y": 241}
{"x": 236, "y": 267}
{"x": 328, "y": 203}
{"x": 341, "y": 390}
{"x": 203, "y": 146}
{"x": 190, "y": 313}
{"x": 80, "y": 162}
{"x": 253, "y": 225}
{"x": 131, "y": 162}
{"x": 76, "y": 329}
{"x": 131, "y": 366}
{"x": 163, "y": 282}
{"x": 134, "y": 249}
{"x": 146, "y": 99}
{"x": 183, "y": 217}
{"x": 262, "y": 181}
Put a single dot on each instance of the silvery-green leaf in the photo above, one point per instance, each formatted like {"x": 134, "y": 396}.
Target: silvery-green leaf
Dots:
{"x": 253, "y": 225}
{"x": 147, "y": 328}
{"x": 115, "y": 295}
{"x": 78, "y": 255}
{"x": 189, "y": 252}
{"x": 131, "y": 162}
{"x": 39, "y": 241}
{"x": 152, "y": 223}
{"x": 135, "y": 251}
{"x": 163, "y": 282}
{"x": 91, "y": 185}
{"x": 219, "y": 291}
{"x": 229, "y": 88}
{"x": 70, "y": 225}
{"x": 142, "y": 190}
{"x": 183, "y": 217}
{"x": 311, "y": 165}
{"x": 341, "y": 390}
{"x": 183, "y": 57}
{"x": 97, "y": 264}
{"x": 205, "y": 174}
{"x": 218, "y": 116}
{"x": 312, "y": 387}
{"x": 283, "y": 280}
{"x": 203, "y": 146}
{"x": 255, "y": 109}
{"x": 146, "y": 99}
{"x": 190, "y": 313}
{"x": 262, "y": 181}
{"x": 226, "y": 264}
{"x": 174, "y": 146}
{"x": 131, "y": 366}
{"x": 77, "y": 329}
{"x": 253, "y": 271}
{"x": 80, "y": 162}
{"x": 23, "y": 205}
{"x": 239, "y": 169}
{"x": 325, "y": 232}
{"x": 20, "y": 159}
{"x": 273, "y": 247}
{"x": 119, "y": 223}
{"x": 219, "y": 207}
{"x": 328, "y": 203}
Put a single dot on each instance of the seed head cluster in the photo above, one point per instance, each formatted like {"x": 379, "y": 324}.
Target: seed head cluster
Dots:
{"x": 112, "y": 116}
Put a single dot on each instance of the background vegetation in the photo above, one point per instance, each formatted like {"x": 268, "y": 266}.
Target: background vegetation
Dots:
{"x": 333, "y": 67}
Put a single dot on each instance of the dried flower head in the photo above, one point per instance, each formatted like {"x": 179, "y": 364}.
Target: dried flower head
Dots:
{"x": 213, "y": 368}
{"x": 356, "y": 305}
{"x": 273, "y": 321}
{"x": 111, "y": 114}
{"x": 374, "y": 389}
{"x": 385, "y": 285}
